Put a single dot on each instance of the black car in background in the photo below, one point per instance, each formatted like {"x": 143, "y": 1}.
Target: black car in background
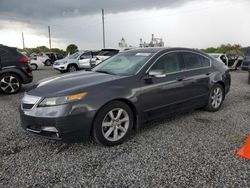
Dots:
{"x": 14, "y": 70}
{"x": 52, "y": 58}
{"x": 124, "y": 91}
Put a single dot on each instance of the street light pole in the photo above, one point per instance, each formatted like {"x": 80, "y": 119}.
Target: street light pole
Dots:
{"x": 103, "y": 29}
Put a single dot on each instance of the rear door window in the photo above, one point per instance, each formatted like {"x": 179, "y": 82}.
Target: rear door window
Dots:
{"x": 195, "y": 61}
{"x": 86, "y": 55}
{"x": 168, "y": 63}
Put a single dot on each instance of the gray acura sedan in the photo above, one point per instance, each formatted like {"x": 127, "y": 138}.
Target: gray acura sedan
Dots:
{"x": 123, "y": 92}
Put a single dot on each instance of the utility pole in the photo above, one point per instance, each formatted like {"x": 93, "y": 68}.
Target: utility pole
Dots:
{"x": 103, "y": 29}
{"x": 23, "y": 41}
{"x": 49, "y": 37}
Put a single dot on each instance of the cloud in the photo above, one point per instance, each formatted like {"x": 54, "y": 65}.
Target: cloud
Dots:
{"x": 50, "y": 9}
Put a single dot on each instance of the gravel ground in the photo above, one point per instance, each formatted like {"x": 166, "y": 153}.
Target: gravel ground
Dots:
{"x": 191, "y": 150}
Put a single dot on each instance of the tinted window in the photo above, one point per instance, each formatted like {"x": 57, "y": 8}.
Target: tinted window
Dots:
{"x": 108, "y": 52}
{"x": 59, "y": 56}
{"x": 86, "y": 55}
{"x": 194, "y": 61}
{"x": 168, "y": 63}
{"x": 95, "y": 53}
{"x": 2, "y": 52}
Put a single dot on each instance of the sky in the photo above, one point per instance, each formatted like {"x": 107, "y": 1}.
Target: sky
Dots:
{"x": 180, "y": 23}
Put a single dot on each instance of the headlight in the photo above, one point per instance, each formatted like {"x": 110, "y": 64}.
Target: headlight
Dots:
{"x": 54, "y": 101}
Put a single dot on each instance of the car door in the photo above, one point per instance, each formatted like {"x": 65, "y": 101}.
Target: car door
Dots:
{"x": 84, "y": 60}
{"x": 163, "y": 93}
{"x": 197, "y": 78}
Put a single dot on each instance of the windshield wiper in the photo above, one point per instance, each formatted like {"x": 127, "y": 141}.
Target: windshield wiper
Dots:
{"x": 106, "y": 72}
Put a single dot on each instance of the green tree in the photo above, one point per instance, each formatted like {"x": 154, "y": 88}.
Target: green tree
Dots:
{"x": 72, "y": 48}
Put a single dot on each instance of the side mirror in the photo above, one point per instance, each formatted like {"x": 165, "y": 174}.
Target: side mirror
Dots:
{"x": 156, "y": 73}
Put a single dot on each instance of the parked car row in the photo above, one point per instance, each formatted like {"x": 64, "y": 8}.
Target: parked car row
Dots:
{"x": 83, "y": 60}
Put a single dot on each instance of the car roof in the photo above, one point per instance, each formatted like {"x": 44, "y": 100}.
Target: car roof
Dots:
{"x": 162, "y": 49}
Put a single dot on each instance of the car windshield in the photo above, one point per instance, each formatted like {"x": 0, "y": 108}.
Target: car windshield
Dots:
{"x": 74, "y": 56}
{"x": 123, "y": 64}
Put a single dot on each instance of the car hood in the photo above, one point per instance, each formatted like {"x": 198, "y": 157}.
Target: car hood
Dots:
{"x": 69, "y": 83}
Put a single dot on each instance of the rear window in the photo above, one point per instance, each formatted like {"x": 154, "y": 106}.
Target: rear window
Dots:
{"x": 195, "y": 61}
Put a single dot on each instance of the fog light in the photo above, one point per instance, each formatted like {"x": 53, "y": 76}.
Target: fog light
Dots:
{"x": 50, "y": 129}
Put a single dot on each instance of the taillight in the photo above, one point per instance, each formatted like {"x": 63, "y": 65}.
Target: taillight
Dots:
{"x": 30, "y": 74}
{"x": 24, "y": 60}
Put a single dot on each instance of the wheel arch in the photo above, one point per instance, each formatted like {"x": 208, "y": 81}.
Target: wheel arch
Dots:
{"x": 75, "y": 64}
{"x": 127, "y": 102}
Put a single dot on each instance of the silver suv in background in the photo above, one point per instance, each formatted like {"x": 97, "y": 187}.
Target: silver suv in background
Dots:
{"x": 76, "y": 61}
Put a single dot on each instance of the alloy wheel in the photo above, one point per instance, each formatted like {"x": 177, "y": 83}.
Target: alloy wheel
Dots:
{"x": 115, "y": 124}
{"x": 9, "y": 84}
{"x": 217, "y": 97}
{"x": 72, "y": 69}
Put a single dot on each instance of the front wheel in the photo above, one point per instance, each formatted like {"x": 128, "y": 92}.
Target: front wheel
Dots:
{"x": 72, "y": 68}
{"x": 113, "y": 124}
{"x": 216, "y": 98}
{"x": 34, "y": 66}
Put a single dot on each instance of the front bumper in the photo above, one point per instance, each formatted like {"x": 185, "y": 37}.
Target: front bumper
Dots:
{"x": 60, "y": 67}
{"x": 63, "y": 122}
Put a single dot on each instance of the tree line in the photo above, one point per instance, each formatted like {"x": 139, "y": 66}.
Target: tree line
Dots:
{"x": 230, "y": 50}
{"x": 72, "y": 48}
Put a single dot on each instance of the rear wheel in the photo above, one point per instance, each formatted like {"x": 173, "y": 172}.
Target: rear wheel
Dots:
{"x": 34, "y": 66}
{"x": 48, "y": 62}
{"x": 113, "y": 124}
{"x": 216, "y": 98}
{"x": 10, "y": 83}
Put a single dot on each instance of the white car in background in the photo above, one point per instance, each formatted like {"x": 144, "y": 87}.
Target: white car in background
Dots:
{"x": 220, "y": 57}
{"x": 105, "y": 54}
{"x": 76, "y": 61}
{"x": 41, "y": 57}
{"x": 36, "y": 63}
{"x": 232, "y": 63}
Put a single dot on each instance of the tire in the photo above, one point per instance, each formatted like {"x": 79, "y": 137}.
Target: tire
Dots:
{"x": 72, "y": 68}
{"x": 216, "y": 98}
{"x": 10, "y": 83}
{"x": 105, "y": 126}
{"x": 34, "y": 66}
{"x": 48, "y": 62}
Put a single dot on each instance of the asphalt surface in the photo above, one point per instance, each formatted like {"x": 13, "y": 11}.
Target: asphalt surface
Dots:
{"x": 191, "y": 150}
